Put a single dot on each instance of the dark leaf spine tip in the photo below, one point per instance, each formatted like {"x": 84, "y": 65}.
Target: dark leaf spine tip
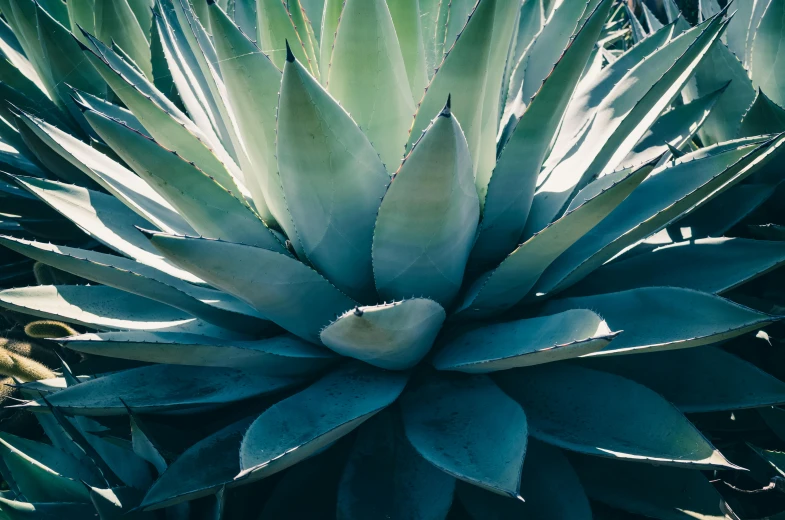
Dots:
{"x": 358, "y": 312}
{"x": 447, "y": 110}
{"x": 289, "y": 55}
{"x": 210, "y": 2}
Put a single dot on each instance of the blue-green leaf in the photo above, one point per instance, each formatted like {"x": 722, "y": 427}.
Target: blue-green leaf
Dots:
{"x": 597, "y": 413}
{"x": 468, "y": 428}
{"x": 299, "y": 426}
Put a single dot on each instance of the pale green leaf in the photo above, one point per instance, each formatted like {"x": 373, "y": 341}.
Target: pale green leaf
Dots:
{"x": 765, "y": 59}
{"x": 115, "y": 22}
{"x": 408, "y": 27}
{"x": 276, "y": 285}
{"x": 428, "y": 218}
{"x": 334, "y": 190}
{"x": 282, "y": 355}
{"x": 368, "y": 77}
{"x": 394, "y": 336}
{"x": 763, "y": 117}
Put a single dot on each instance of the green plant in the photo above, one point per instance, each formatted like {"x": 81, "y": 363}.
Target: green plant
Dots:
{"x": 389, "y": 313}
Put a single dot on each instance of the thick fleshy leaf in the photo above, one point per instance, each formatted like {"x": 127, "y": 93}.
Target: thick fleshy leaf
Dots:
{"x": 765, "y": 59}
{"x": 331, "y": 17}
{"x": 669, "y": 191}
{"x": 597, "y": 413}
{"x": 394, "y": 336}
{"x": 112, "y": 176}
{"x": 407, "y": 17}
{"x": 115, "y": 23}
{"x": 763, "y": 117}
{"x": 203, "y": 469}
{"x": 103, "y": 308}
{"x": 652, "y": 491}
{"x": 276, "y": 285}
{"x": 165, "y": 122}
{"x": 334, "y": 190}
{"x": 127, "y": 275}
{"x": 526, "y": 342}
{"x": 723, "y": 212}
{"x": 252, "y": 86}
{"x": 299, "y": 426}
{"x": 718, "y": 67}
{"x": 676, "y": 128}
{"x": 549, "y": 486}
{"x": 116, "y": 503}
{"x": 103, "y": 106}
{"x": 163, "y": 388}
{"x": 385, "y": 478}
{"x": 705, "y": 379}
{"x": 368, "y": 77}
{"x": 278, "y": 356}
{"x": 428, "y": 218}
{"x": 622, "y": 119}
{"x": 44, "y": 473}
{"x": 509, "y": 283}
{"x": 275, "y": 28}
{"x": 104, "y": 218}
{"x": 511, "y": 186}
{"x": 208, "y": 207}
{"x": 467, "y": 66}
{"x": 18, "y": 510}
{"x": 468, "y": 428}
{"x": 712, "y": 265}
{"x": 693, "y": 318}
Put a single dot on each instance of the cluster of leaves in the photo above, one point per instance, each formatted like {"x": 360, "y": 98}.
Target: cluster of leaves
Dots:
{"x": 582, "y": 250}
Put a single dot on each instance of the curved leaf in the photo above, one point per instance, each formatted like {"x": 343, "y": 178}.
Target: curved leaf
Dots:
{"x": 394, "y": 336}
{"x": 676, "y": 128}
{"x": 469, "y": 429}
{"x": 408, "y": 28}
{"x": 44, "y": 473}
{"x": 278, "y": 356}
{"x": 275, "y": 28}
{"x": 104, "y": 218}
{"x": 665, "y": 318}
{"x": 163, "y": 388}
{"x": 385, "y": 478}
{"x": 276, "y": 285}
{"x": 252, "y": 86}
{"x": 533, "y": 341}
{"x": 17, "y": 510}
{"x": 508, "y": 196}
{"x": 622, "y": 119}
{"x": 103, "y": 308}
{"x": 509, "y": 283}
{"x": 653, "y": 491}
{"x": 428, "y": 218}
{"x": 549, "y": 486}
{"x": 669, "y": 191}
{"x": 368, "y": 77}
{"x": 334, "y": 189}
{"x": 763, "y": 117}
{"x": 206, "y": 205}
{"x": 722, "y": 213}
{"x": 299, "y": 426}
{"x": 696, "y": 380}
{"x": 201, "y": 470}
{"x": 136, "y": 278}
{"x": 598, "y": 413}
{"x": 116, "y": 24}
{"x": 112, "y": 176}
{"x": 765, "y": 58}
{"x": 712, "y": 265}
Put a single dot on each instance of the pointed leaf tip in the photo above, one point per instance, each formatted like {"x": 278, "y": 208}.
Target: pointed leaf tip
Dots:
{"x": 447, "y": 110}
{"x": 289, "y": 55}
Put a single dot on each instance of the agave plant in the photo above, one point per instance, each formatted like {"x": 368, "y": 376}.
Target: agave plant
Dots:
{"x": 404, "y": 253}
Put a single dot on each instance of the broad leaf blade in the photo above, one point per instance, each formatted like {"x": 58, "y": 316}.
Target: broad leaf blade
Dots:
{"x": 469, "y": 429}
{"x": 597, "y": 413}
{"x": 394, "y": 336}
